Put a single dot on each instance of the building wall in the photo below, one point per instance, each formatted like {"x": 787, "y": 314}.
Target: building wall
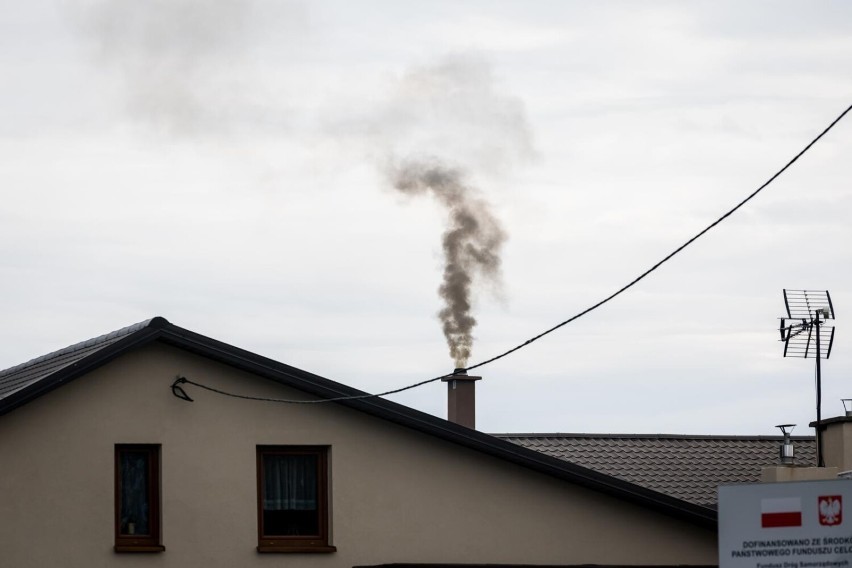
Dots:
{"x": 837, "y": 443}
{"x": 397, "y": 495}
{"x": 787, "y": 473}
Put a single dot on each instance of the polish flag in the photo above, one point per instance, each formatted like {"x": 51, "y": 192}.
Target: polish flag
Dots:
{"x": 781, "y": 512}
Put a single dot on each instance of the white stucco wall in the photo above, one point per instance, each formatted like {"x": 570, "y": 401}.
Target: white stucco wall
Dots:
{"x": 397, "y": 495}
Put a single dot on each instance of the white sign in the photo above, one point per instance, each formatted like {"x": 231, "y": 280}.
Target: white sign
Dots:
{"x": 786, "y": 525}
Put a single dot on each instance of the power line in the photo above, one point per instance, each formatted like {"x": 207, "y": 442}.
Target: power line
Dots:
{"x": 520, "y": 346}
{"x": 674, "y": 252}
{"x": 179, "y": 392}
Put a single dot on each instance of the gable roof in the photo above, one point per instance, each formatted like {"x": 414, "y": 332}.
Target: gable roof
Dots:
{"x": 24, "y": 383}
{"x": 690, "y": 468}
{"x": 32, "y": 373}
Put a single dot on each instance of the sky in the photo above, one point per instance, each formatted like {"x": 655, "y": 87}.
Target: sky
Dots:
{"x": 231, "y": 166}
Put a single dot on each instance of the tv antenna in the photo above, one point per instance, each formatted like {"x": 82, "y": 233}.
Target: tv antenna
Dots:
{"x": 805, "y": 334}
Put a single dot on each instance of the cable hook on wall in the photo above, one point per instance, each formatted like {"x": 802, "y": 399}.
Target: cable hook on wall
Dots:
{"x": 178, "y": 391}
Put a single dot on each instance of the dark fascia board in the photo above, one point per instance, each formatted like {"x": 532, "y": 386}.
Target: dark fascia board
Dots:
{"x": 160, "y": 329}
{"x": 829, "y": 421}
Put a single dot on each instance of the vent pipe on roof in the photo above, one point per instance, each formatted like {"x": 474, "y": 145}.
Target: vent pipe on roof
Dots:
{"x": 786, "y": 454}
{"x": 461, "y": 398}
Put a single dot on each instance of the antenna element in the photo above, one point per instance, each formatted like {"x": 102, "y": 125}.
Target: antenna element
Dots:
{"x": 805, "y": 334}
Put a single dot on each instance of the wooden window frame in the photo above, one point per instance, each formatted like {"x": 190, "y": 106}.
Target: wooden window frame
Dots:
{"x": 140, "y": 543}
{"x": 313, "y": 543}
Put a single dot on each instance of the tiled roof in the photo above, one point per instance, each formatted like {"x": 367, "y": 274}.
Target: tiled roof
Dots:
{"x": 21, "y": 376}
{"x": 686, "y": 467}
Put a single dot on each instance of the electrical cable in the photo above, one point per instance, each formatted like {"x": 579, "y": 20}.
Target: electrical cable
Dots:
{"x": 673, "y": 253}
{"x": 183, "y": 380}
{"x": 563, "y": 323}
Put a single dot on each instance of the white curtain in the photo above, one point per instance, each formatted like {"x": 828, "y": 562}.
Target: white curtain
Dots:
{"x": 289, "y": 482}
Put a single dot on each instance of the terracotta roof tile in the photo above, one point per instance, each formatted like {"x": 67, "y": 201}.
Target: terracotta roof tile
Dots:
{"x": 687, "y": 467}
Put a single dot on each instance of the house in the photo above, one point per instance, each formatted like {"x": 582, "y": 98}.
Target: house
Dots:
{"x": 107, "y": 460}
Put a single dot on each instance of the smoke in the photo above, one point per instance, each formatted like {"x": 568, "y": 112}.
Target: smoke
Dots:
{"x": 186, "y": 65}
{"x": 451, "y": 120}
{"x": 454, "y": 110}
{"x": 188, "y": 69}
{"x": 471, "y": 244}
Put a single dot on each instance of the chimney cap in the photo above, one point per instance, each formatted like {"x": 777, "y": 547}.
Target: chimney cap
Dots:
{"x": 462, "y": 378}
{"x": 460, "y": 374}
{"x": 786, "y": 429}
{"x": 786, "y": 453}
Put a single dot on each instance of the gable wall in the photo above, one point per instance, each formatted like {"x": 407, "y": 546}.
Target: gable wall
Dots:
{"x": 397, "y": 495}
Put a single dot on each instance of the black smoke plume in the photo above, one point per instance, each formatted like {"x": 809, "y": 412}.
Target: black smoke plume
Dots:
{"x": 472, "y": 242}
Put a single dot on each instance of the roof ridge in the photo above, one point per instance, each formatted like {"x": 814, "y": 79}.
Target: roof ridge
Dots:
{"x": 158, "y": 321}
{"x": 611, "y": 436}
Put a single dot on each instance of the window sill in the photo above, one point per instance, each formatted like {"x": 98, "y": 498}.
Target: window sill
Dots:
{"x": 139, "y": 548}
{"x": 301, "y": 548}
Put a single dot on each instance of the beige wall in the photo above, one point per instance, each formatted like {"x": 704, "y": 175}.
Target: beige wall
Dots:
{"x": 837, "y": 444}
{"x": 785, "y": 473}
{"x": 397, "y": 495}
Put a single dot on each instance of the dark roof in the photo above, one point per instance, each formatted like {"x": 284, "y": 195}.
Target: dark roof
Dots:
{"x": 690, "y": 468}
{"x": 29, "y": 374}
{"x": 23, "y": 383}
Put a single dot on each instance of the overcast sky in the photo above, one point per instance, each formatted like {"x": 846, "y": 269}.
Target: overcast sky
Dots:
{"x": 226, "y": 165}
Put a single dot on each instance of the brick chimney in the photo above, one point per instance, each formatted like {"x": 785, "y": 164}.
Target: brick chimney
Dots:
{"x": 461, "y": 398}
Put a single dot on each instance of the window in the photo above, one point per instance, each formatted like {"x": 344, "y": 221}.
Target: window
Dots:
{"x": 137, "y": 498}
{"x": 292, "y": 499}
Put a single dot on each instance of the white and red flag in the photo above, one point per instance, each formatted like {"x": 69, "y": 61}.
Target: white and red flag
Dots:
{"x": 781, "y": 512}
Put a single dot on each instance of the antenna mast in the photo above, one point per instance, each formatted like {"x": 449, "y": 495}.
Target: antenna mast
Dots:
{"x": 805, "y": 334}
